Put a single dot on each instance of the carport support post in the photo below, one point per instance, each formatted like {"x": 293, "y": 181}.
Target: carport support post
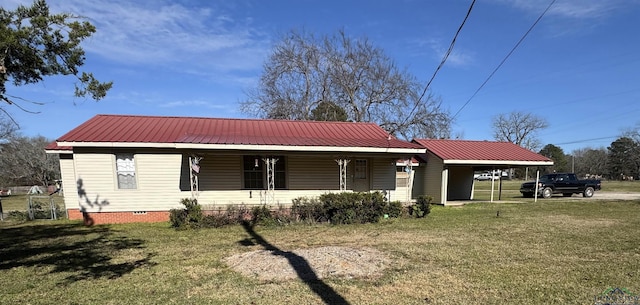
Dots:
{"x": 500, "y": 188}
{"x": 536, "y": 188}
{"x": 493, "y": 182}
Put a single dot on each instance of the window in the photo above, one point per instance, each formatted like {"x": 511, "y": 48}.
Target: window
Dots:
{"x": 361, "y": 169}
{"x": 402, "y": 176}
{"x": 253, "y": 167}
{"x": 126, "y": 171}
{"x": 255, "y": 173}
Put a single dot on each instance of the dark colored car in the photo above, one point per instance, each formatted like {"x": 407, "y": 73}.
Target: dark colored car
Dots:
{"x": 566, "y": 184}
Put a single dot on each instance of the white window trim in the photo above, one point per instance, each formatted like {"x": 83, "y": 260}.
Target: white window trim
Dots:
{"x": 133, "y": 170}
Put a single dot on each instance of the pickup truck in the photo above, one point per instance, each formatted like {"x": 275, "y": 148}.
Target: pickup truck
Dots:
{"x": 566, "y": 184}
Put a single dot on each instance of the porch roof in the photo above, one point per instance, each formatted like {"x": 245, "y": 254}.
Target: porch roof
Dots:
{"x": 246, "y": 134}
{"x": 489, "y": 153}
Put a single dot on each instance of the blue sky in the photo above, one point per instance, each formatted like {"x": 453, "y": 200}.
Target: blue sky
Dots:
{"x": 578, "y": 68}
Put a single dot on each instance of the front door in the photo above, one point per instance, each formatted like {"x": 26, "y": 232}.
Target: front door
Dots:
{"x": 361, "y": 176}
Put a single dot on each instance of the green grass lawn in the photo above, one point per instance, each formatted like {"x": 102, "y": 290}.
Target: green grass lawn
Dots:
{"x": 19, "y": 202}
{"x": 549, "y": 252}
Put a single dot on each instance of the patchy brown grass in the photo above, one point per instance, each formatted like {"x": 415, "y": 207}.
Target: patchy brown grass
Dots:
{"x": 550, "y": 252}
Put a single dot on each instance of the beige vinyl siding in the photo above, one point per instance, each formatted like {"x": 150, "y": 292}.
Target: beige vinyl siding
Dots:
{"x": 220, "y": 172}
{"x": 313, "y": 173}
{"x": 157, "y": 180}
{"x": 307, "y": 176}
{"x": 383, "y": 174}
{"x": 419, "y": 182}
{"x": 95, "y": 181}
{"x": 158, "y": 177}
{"x": 433, "y": 178}
{"x": 67, "y": 174}
{"x": 161, "y": 177}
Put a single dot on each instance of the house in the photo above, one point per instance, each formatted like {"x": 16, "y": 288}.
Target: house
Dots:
{"x": 125, "y": 168}
{"x": 449, "y": 165}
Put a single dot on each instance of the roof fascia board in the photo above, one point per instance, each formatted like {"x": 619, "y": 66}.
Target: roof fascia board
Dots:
{"x": 58, "y": 151}
{"x": 499, "y": 162}
{"x": 411, "y": 151}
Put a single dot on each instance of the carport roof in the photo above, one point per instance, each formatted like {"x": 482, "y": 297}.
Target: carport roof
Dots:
{"x": 483, "y": 153}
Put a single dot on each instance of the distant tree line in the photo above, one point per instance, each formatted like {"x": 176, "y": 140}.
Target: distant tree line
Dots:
{"x": 619, "y": 161}
{"x": 23, "y": 160}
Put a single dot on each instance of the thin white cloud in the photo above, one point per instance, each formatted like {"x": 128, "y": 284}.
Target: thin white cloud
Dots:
{"x": 572, "y": 9}
{"x": 458, "y": 57}
{"x": 170, "y": 34}
{"x": 193, "y": 103}
{"x": 570, "y": 17}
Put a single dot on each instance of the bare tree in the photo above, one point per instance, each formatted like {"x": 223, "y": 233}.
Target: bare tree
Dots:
{"x": 23, "y": 161}
{"x": 304, "y": 71}
{"x": 590, "y": 161}
{"x": 633, "y": 133}
{"x": 8, "y": 129}
{"x": 519, "y": 128}
{"x": 292, "y": 82}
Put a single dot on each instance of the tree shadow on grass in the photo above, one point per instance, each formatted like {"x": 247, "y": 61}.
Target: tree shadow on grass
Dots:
{"x": 83, "y": 252}
{"x": 299, "y": 264}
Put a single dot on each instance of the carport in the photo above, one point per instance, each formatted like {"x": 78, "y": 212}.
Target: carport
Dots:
{"x": 450, "y": 164}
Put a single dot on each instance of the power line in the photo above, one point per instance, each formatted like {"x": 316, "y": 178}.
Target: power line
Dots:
{"x": 444, "y": 59}
{"x": 586, "y": 140}
{"x": 505, "y": 59}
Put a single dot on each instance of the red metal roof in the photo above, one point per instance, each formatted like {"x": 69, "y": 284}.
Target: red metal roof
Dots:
{"x": 158, "y": 129}
{"x": 54, "y": 146}
{"x": 479, "y": 150}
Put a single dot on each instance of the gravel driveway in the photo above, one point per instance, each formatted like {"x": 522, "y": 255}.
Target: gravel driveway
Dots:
{"x": 608, "y": 196}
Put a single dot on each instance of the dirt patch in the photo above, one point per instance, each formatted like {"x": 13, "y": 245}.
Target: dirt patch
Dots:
{"x": 309, "y": 264}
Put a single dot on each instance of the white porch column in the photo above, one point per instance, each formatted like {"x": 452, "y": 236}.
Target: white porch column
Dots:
{"x": 194, "y": 171}
{"x": 271, "y": 180}
{"x": 409, "y": 170}
{"x": 342, "y": 163}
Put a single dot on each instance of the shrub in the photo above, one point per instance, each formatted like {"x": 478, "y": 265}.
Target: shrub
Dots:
{"x": 42, "y": 210}
{"x": 177, "y": 217}
{"x": 188, "y": 218}
{"x": 18, "y": 215}
{"x": 238, "y": 213}
{"x": 282, "y": 216}
{"x": 422, "y": 207}
{"x": 346, "y": 208}
{"x": 393, "y": 209}
{"x": 308, "y": 210}
{"x": 216, "y": 221}
{"x": 262, "y": 215}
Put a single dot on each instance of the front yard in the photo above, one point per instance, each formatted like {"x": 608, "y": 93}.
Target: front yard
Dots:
{"x": 549, "y": 252}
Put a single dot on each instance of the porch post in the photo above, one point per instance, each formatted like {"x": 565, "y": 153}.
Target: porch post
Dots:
{"x": 194, "y": 170}
{"x": 342, "y": 163}
{"x": 409, "y": 169}
{"x": 271, "y": 179}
